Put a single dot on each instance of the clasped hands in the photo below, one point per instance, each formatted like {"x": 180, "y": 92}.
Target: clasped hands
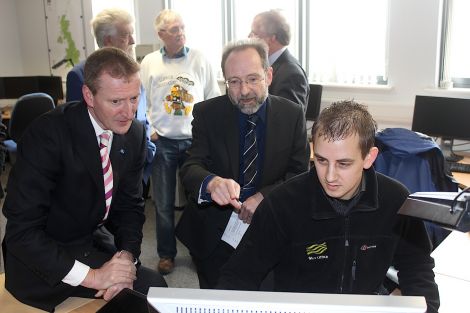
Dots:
{"x": 226, "y": 191}
{"x": 113, "y": 276}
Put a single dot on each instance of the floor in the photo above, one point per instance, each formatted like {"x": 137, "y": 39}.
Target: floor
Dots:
{"x": 184, "y": 275}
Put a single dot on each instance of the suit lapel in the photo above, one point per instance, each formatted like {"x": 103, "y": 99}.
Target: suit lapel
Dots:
{"x": 117, "y": 156}
{"x": 84, "y": 141}
{"x": 231, "y": 136}
{"x": 282, "y": 58}
{"x": 273, "y": 136}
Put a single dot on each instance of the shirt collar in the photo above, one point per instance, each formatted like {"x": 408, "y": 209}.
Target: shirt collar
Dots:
{"x": 182, "y": 53}
{"x": 273, "y": 57}
{"x": 368, "y": 201}
{"x": 98, "y": 130}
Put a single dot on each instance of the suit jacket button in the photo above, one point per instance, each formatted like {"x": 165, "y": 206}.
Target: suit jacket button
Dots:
{"x": 86, "y": 254}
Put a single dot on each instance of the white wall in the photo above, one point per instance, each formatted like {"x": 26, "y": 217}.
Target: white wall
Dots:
{"x": 413, "y": 67}
{"x": 32, "y": 35}
{"x": 10, "y": 65}
{"x": 413, "y": 64}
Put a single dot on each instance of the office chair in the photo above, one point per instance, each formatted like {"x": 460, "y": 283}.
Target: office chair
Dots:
{"x": 314, "y": 102}
{"x": 26, "y": 109}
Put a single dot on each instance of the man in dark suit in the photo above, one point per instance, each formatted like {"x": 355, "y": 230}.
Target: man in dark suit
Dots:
{"x": 215, "y": 173}
{"x": 289, "y": 78}
{"x": 56, "y": 193}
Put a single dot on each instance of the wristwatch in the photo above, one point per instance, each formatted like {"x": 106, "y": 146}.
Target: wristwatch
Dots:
{"x": 136, "y": 260}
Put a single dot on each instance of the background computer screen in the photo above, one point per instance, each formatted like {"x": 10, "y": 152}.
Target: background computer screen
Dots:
{"x": 447, "y": 118}
{"x": 16, "y": 86}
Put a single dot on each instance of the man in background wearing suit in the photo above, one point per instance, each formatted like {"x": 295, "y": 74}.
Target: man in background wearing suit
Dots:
{"x": 67, "y": 159}
{"x": 113, "y": 28}
{"x": 216, "y": 171}
{"x": 289, "y": 78}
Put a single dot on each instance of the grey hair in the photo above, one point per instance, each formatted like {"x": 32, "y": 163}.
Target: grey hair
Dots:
{"x": 165, "y": 17}
{"x": 274, "y": 23}
{"x": 104, "y": 23}
{"x": 259, "y": 45}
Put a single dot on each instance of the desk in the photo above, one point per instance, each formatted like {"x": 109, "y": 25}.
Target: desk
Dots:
{"x": 452, "y": 270}
{"x": 72, "y": 305}
{"x": 463, "y": 178}
{"x": 6, "y": 113}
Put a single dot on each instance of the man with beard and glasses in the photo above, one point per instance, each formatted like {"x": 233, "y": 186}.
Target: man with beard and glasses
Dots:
{"x": 225, "y": 178}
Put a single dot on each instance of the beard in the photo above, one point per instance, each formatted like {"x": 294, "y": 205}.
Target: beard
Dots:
{"x": 131, "y": 51}
{"x": 248, "y": 109}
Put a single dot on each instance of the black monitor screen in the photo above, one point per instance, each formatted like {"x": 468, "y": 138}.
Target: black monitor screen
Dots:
{"x": 15, "y": 87}
{"x": 448, "y": 118}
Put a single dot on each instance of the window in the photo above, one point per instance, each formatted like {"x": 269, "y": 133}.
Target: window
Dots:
{"x": 245, "y": 10}
{"x": 347, "y": 46}
{"x": 455, "y": 46}
{"x": 203, "y": 32}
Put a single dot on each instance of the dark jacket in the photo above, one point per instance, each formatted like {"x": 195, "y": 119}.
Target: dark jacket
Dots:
{"x": 403, "y": 151}
{"x": 55, "y": 200}
{"x": 215, "y": 150}
{"x": 289, "y": 80}
{"x": 313, "y": 249}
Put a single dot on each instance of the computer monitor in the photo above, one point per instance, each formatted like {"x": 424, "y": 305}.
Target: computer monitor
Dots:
{"x": 314, "y": 102}
{"x": 14, "y": 87}
{"x": 446, "y": 118}
{"x": 166, "y": 300}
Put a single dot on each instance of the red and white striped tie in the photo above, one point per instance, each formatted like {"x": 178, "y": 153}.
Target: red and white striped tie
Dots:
{"x": 107, "y": 170}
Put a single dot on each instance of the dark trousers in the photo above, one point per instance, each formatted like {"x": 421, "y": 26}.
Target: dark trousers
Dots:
{"x": 208, "y": 269}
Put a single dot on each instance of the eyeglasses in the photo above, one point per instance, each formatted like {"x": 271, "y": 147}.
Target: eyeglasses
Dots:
{"x": 174, "y": 30}
{"x": 236, "y": 83}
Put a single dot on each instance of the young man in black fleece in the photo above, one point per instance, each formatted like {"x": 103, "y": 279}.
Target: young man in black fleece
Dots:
{"x": 335, "y": 229}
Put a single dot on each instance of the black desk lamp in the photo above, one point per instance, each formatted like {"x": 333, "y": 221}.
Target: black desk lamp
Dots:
{"x": 453, "y": 214}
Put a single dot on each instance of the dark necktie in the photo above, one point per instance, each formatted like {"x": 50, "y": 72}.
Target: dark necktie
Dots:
{"x": 250, "y": 153}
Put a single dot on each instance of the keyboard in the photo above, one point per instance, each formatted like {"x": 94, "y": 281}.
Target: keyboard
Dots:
{"x": 459, "y": 167}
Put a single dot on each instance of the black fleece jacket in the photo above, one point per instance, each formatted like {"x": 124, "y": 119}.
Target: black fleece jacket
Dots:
{"x": 311, "y": 248}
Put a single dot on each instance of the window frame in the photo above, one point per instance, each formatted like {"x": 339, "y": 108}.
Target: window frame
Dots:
{"x": 302, "y": 45}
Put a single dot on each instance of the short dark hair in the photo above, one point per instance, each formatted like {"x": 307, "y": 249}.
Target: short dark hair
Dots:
{"x": 113, "y": 61}
{"x": 274, "y": 23}
{"x": 345, "y": 118}
{"x": 259, "y": 45}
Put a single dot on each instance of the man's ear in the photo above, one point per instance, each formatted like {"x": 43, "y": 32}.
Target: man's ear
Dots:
{"x": 370, "y": 157}
{"x": 87, "y": 96}
{"x": 107, "y": 41}
{"x": 269, "y": 75}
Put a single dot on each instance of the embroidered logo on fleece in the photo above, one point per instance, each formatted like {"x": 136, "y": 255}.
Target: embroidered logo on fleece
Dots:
{"x": 317, "y": 251}
{"x": 365, "y": 247}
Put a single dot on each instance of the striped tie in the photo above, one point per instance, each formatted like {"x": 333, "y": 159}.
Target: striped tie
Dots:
{"x": 107, "y": 170}
{"x": 250, "y": 153}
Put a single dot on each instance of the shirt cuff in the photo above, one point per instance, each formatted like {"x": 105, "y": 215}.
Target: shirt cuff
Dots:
{"x": 77, "y": 274}
{"x": 204, "y": 196}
